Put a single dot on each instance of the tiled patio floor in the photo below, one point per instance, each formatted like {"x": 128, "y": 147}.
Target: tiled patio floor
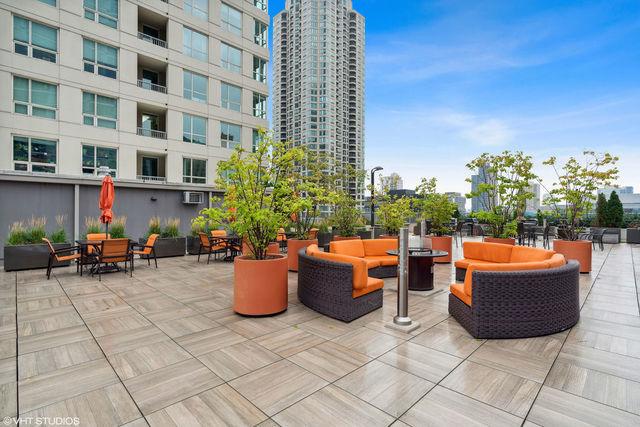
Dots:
{"x": 165, "y": 348}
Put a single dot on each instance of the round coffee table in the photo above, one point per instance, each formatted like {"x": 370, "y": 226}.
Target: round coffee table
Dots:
{"x": 421, "y": 267}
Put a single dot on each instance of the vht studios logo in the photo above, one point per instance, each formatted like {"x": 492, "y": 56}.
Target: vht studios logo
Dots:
{"x": 41, "y": 421}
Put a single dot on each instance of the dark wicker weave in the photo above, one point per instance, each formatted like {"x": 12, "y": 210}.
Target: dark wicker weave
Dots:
{"x": 460, "y": 273}
{"x": 384, "y": 271}
{"x": 519, "y": 304}
{"x": 326, "y": 287}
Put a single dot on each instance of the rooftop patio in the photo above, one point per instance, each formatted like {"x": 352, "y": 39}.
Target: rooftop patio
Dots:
{"x": 164, "y": 347}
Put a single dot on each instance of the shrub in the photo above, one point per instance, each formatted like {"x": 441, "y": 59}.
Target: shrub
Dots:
{"x": 601, "y": 211}
{"x": 615, "y": 212}
{"x": 347, "y": 217}
{"x": 59, "y": 235}
{"x": 17, "y": 234}
{"x": 92, "y": 226}
{"x": 154, "y": 226}
{"x": 171, "y": 228}
{"x": 117, "y": 227}
{"x": 36, "y": 230}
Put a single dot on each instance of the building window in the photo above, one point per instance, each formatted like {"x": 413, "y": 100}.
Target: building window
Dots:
{"x": 231, "y": 97}
{"x": 195, "y": 44}
{"x": 256, "y": 140}
{"x": 229, "y": 135}
{"x": 194, "y": 171}
{"x": 194, "y": 86}
{"x": 93, "y": 157}
{"x": 259, "y": 105}
{"x": 231, "y": 19}
{"x": 34, "y": 39}
{"x": 259, "y": 69}
{"x": 34, "y": 154}
{"x": 194, "y": 129}
{"x": 260, "y": 4}
{"x": 260, "y": 33}
{"x": 98, "y": 110}
{"x": 49, "y": 2}
{"x": 34, "y": 98}
{"x": 100, "y": 58}
{"x": 231, "y": 58}
{"x": 197, "y": 8}
{"x": 102, "y": 11}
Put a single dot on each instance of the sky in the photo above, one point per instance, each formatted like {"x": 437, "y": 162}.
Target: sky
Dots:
{"x": 449, "y": 80}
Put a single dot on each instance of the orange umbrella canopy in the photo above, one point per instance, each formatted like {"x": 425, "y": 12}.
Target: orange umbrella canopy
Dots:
{"x": 105, "y": 203}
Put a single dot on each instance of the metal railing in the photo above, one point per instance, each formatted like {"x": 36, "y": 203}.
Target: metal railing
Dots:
{"x": 146, "y": 178}
{"x": 151, "y": 39}
{"x": 151, "y": 86}
{"x": 152, "y": 133}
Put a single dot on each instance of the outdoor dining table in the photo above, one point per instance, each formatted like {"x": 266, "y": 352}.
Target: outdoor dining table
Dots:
{"x": 421, "y": 267}
{"x": 84, "y": 255}
{"x": 233, "y": 245}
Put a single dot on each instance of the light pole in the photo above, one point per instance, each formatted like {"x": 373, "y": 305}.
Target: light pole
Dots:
{"x": 373, "y": 202}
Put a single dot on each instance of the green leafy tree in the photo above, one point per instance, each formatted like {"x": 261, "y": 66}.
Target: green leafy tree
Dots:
{"x": 346, "y": 217}
{"x": 572, "y": 194}
{"x": 601, "y": 211}
{"x": 393, "y": 213}
{"x": 434, "y": 207}
{"x": 505, "y": 188}
{"x": 615, "y": 211}
{"x": 258, "y": 188}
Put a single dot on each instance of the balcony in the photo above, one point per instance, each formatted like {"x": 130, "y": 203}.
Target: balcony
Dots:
{"x": 152, "y": 27}
{"x": 152, "y": 74}
{"x": 151, "y": 167}
{"x": 151, "y": 121}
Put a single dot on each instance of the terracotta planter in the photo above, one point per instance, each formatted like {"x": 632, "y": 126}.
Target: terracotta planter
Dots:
{"x": 504, "y": 241}
{"x": 580, "y": 250}
{"x": 293, "y": 246}
{"x": 336, "y": 237}
{"x": 442, "y": 243}
{"x": 260, "y": 286}
{"x": 273, "y": 248}
{"x": 387, "y": 236}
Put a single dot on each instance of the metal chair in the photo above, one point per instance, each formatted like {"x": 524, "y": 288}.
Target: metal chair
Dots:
{"x": 113, "y": 251}
{"x": 56, "y": 255}
{"x": 148, "y": 249}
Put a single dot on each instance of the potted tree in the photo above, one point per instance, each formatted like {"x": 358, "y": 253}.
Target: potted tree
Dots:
{"x": 393, "y": 212}
{"x": 170, "y": 243}
{"x": 572, "y": 197}
{"x": 504, "y": 188}
{"x": 258, "y": 194}
{"x": 346, "y": 218}
{"x": 437, "y": 209}
{"x": 24, "y": 249}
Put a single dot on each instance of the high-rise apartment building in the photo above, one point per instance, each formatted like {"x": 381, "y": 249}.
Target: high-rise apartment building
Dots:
{"x": 459, "y": 200}
{"x": 156, "y": 91}
{"x": 533, "y": 204}
{"x": 481, "y": 202}
{"x": 318, "y": 82}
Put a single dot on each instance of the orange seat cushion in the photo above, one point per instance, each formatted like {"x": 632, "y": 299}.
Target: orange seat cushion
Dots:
{"x": 378, "y": 247}
{"x": 526, "y": 254}
{"x": 371, "y": 263}
{"x": 67, "y": 257}
{"x": 384, "y": 260}
{"x": 218, "y": 233}
{"x": 359, "y": 266}
{"x": 458, "y": 290}
{"x": 373, "y": 284}
{"x": 347, "y": 247}
{"x": 493, "y": 252}
{"x": 464, "y": 262}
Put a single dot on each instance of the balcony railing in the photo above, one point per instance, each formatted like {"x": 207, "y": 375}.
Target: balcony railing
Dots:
{"x": 152, "y": 133}
{"x": 145, "y": 178}
{"x": 151, "y": 39}
{"x": 151, "y": 86}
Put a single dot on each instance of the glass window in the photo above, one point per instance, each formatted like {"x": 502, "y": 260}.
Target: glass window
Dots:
{"x": 194, "y": 129}
{"x": 194, "y": 171}
{"x": 260, "y": 33}
{"x": 34, "y": 154}
{"x": 260, "y": 4}
{"x": 231, "y": 19}
{"x": 194, "y": 86}
{"x": 230, "y": 135}
{"x": 195, "y": 44}
{"x": 100, "y": 58}
{"x": 98, "y": 110}
{"x": 102, "y": 11}
{"x": 197, "y": 8}
{"x": 256, "y": 140}
{"x": 93, "y": 157}
{"x": 231, "y": 58}
{"x": 259, "y": 105}
{"x": 49, "y": 2}
{"x": 231, "y": 97}
{"x": 34, "y": 39}
{"x": 259, "y": 69}
{"x": 35, "y": 98}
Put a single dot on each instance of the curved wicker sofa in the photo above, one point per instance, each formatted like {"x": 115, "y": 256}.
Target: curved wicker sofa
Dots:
{"x": 535, "y": 294}
{"x": 374, "y": 251}
{"x": 327, "y": 285}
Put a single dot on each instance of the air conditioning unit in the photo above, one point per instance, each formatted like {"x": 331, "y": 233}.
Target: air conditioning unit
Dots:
{"x": 192, "y": 197}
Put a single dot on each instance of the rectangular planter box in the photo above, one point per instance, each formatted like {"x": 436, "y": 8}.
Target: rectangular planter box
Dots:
{"x": 612, "y": 235}
{"x": 31, "y": 257}
{"x": 633, "y": 235}
{"x": 323, "y": 239}
{"x": 168, "y": 246}
{"x": 193, "y": 244}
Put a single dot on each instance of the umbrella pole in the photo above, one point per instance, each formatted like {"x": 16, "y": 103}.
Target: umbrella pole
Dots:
{"x": 107, "y": 233}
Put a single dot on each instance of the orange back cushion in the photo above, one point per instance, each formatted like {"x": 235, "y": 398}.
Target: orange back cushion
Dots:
{"x": 312, "y": 249}
{"x": 526, "y": 254}
{"x": 347, "y": 247}
{"x": 512, "y": 266}
{"x": 359, "y": 266}
{"x": 377, "y": 247}
{"x": 556, "y": 260}
{"x": 493, "y": 252}
{"x": 218, "y": 233}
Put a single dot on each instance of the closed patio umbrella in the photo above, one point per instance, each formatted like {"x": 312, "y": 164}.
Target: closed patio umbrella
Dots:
{"x": 105, "y": 203}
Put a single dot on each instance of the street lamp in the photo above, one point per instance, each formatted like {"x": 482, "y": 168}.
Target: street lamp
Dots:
{"x": 373, "y": 203}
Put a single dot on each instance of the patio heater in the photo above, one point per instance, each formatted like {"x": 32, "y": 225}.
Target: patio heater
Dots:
{"x": 402, "y": 321}
{"x": 373, "y": 202}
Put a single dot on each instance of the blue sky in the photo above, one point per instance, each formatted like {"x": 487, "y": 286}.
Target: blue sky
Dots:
{"x": 448, "y": 80}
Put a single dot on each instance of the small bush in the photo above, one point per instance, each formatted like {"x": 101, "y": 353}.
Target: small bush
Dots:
{"x": 117, "y": 227}
{"x": 171, "y": 228}
{"x": 154, "y": 226}
{"x": 17, "y": 234}
{"x": 92, "y": 226}
{"x": 36, "y": 230}
{"x": 59, "y": 235}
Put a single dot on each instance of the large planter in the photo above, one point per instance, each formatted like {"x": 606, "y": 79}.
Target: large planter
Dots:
{"x": 193, "y": 244}
{"x": 633, "y": 235}
{"x": 324, "y": 238}
{"x": 504, "y": 241}
{"x": 260, "y": 286}
{"x": 442, "y": 243}
{"x": 30, "y": 257}
{"x": 337, "y": 237}
{"x": 580, "y": 250}
{"x": 365, "y": 234}
{"x": 168, "y": 246}
{"x": 293, "y": 246}
{"x": 387, "y": 236}
{"x": 273, "y": 248}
